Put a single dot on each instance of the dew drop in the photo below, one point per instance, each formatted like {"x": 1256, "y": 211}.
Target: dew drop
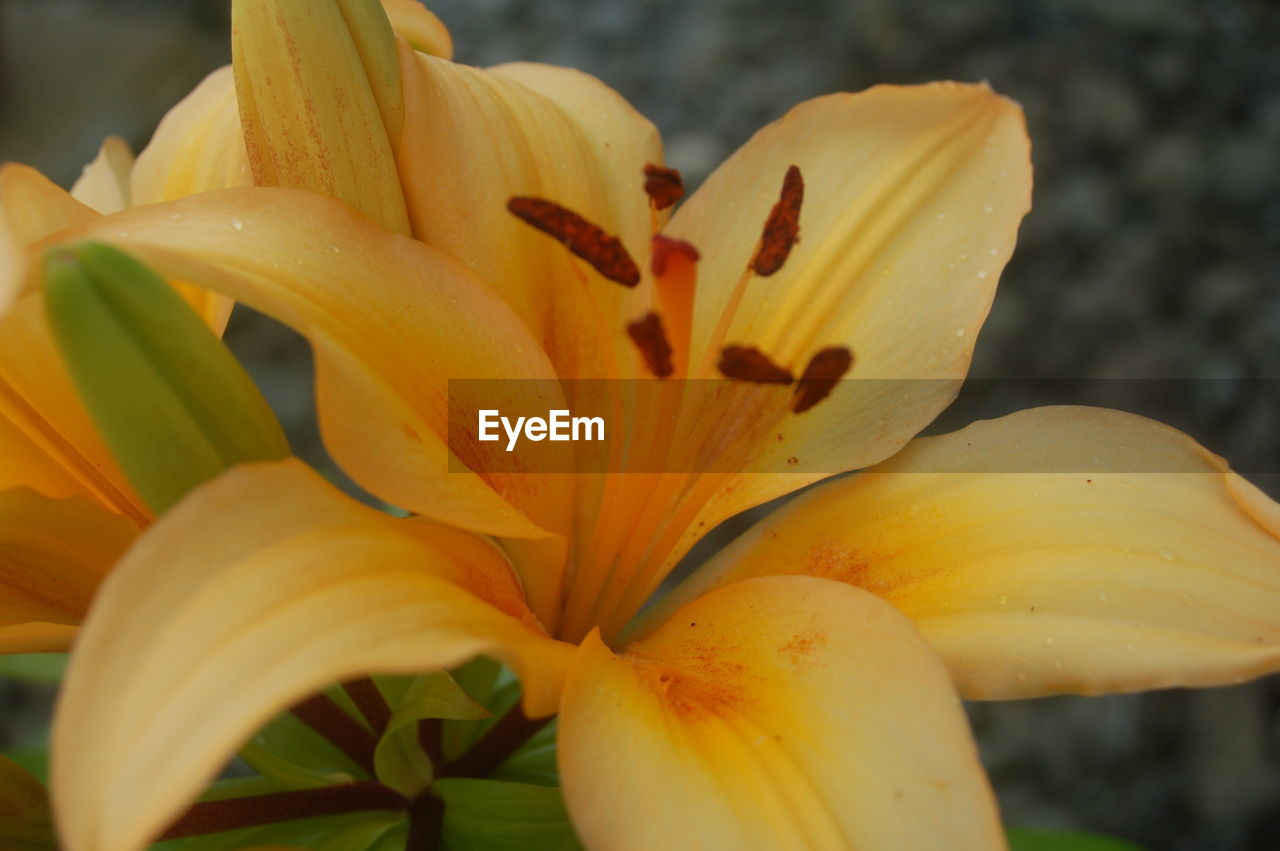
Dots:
{"x": 1102, "y": 596}
{"x": 982, "y": 275}
{"x": 960, "y": 332}
{"x": 992, "y": 251}
{"x": 951, "y": 265}
{"x": 942, "y": 215}
{"x": 518, "y": 349}
{"x": 1004, "y": 599}
{"x": 988, "y": 209}
{"x": 1166, "y": 555}
{"x": 1048, "y": 640}
{"x": 236, "y": 224}
{"x": 964, "y": 255}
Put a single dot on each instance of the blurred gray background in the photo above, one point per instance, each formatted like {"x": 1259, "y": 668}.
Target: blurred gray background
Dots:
{"x": 1152, "y": 252}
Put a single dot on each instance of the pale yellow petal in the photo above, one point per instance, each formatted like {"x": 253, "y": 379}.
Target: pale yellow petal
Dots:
{"x": 104, "y": 185}
{"x": 1055, "y": 550}
{"x": 320, "y": 99}
{"x": 258, "y": 589}
{"x": 198, "y": 146}
{"x": 419, "y": 26}
{"x": 474, "y": 139}
{"x": 912, "y": 201}
{"x": 778, "y": 713}
{"x": 390, "y": 321}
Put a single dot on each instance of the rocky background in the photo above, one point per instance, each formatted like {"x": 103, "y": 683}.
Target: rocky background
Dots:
{"x": 1152, "y": 253}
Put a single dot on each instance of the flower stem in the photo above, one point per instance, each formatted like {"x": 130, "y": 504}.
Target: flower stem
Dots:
{"x": 256, "y": 810}
{"x": 503, "y": 739}
{"x": 364, "y": 693}
{"x": 426, "y": 818}
{"x": 329, "y": 720}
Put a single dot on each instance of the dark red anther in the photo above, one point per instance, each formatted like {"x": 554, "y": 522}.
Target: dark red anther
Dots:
{"x": 606, "y": 254}
{"x": 782, "y": 228}
{"x": 662, "y": 249}
{"x": 664, "y": 185}
{"x": 825, "y": 369}
{"x": 651, "y": 339}
{"x": 744, "y": 363}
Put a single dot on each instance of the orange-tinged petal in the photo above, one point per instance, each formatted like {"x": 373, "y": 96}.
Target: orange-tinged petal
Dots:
{"x": 390, "y": 321}
{"x": 198, "y": 146}
{"x": 216, "y": 626}
{"x": 321, "y": 102}
{"x": 53, "y": 554}
{"x": 419, "y": 26}
{"x": 31, "y": 207}
{"x": 104, "y": 184}
{"x": 474, "y": 139}
{"x": 36, "y": 637}
{"x": 778, "y": 713}
{"x": 1054, "y": 550}
{"x": 912, "y": 201}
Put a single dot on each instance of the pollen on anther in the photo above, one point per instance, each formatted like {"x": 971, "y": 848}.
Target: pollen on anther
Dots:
{"x": 651, "y": 339}
{"x": 744, "y": 363}
{"x": 662, "y": 249}
{"x": 606, "y": 253}
{"x": 782, "y": 228}
{"x": 825, "y": 369}
{"x": 663, "y": 185}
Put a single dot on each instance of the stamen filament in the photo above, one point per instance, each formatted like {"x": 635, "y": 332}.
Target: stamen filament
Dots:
{"x": 328, "y": 719}
{"x": 257, "y": 810}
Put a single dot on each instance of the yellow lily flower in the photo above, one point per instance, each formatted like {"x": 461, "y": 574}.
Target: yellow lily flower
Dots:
{"x": 67, "y": 510}
{"x": 802, "y": 691}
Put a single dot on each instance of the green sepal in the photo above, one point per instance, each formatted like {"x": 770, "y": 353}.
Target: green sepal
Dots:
{"x": 1034, "y": 839}
{"x": 399, "y": 759}
{"x": 494, "y": 815}
{"x": 25, "y": 820}
{"x": 493, "y": 686}
{"x": 172, "y": 403}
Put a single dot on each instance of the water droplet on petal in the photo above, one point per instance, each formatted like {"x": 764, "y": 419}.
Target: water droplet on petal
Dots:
{"x": 236, "y": 224}
{"x": 982, "y": 275}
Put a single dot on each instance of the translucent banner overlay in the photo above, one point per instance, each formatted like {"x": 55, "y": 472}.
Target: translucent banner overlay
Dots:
{"x": 723, "y": 426}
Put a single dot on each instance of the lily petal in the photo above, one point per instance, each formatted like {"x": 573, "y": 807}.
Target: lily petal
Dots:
{"x": 419, "y": 26}
{"x": 474, "y": 139}
{"x": 198, "y": 147}
{"x": 389, "y": 319}
{"x": 53, "y": 554}
{"x": 911, "y": 206}
{"x": 778, "y": 713}
{"x": 217, "y": 626}
{"x": 104, "y": 185}
{"x": 1112, "y": 553}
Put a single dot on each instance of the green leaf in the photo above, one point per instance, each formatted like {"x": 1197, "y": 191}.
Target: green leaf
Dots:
{"x": 494, "y": 687}
{"x": 399, "y": 760}
{"x": 25, "y": 820}
{"x": 1034, "y": 839}
{"x": 494, "y": 815}
{"x": 34, "y": 667}
{"x": 289, "y": 751}
{"x": 535, "y": 762}
{"x": 171, "y": 401}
